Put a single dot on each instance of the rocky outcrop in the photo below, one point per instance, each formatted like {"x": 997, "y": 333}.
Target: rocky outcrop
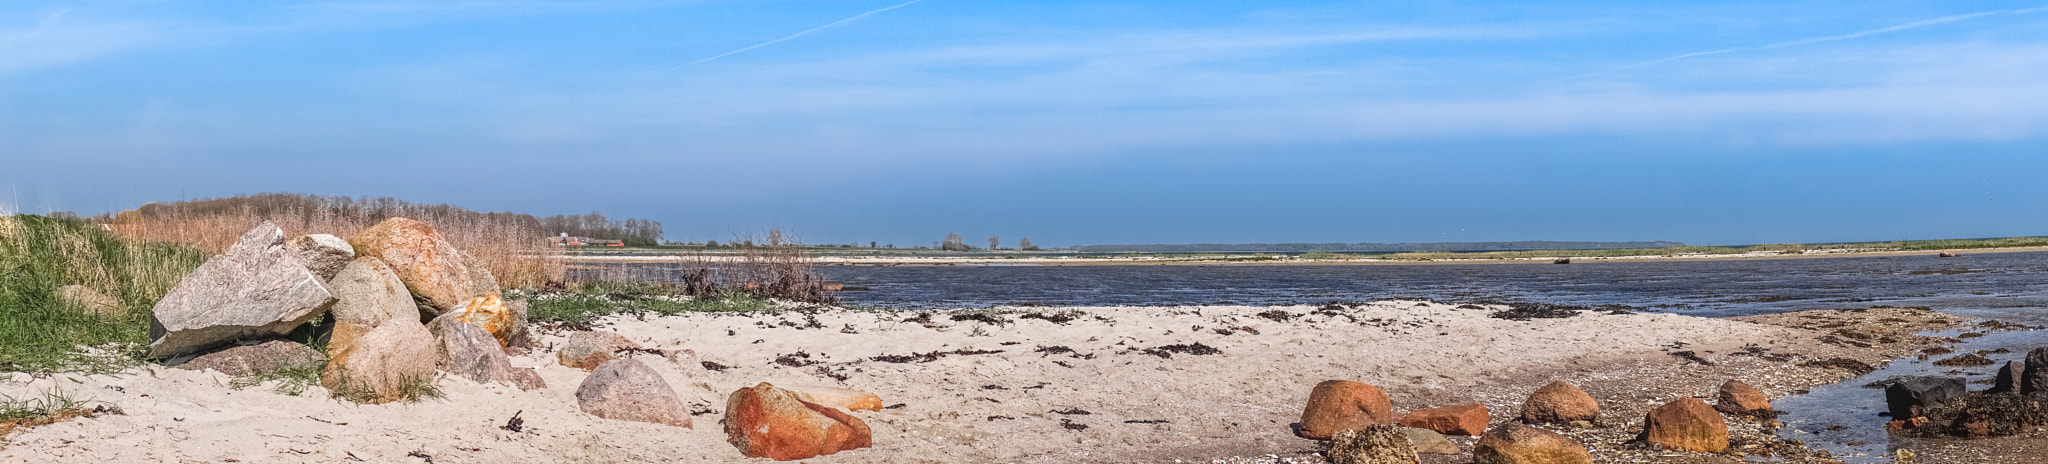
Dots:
{"x": 1687, "y": 424}
{"x": 384, "y": 364}
{"x": 367, "y": 293}
{"x": 430, "y": 267}
{"x": 323, "y": 254}
{"x": 90, "y": 301}
{"x": 469, "y": 352}
{"x": 768, "y": 422}
{"x": 2034, "y": 378}
{"x": 842, "y": 398}
{"x": 271, "y": 356}
{"x": 490, "y": 313}
{"x": 1342, "y": 404}
{"x": 2008, "y": 378}
{"x": 1372, "y": 444}
{"x": 1559, "y": 403}
{"x": 589, "y": 349}
{"x": 1512, "y": 443}
{"x": 1978, "y": 415}
{"x": 1464, "y": 419}
{"x": 1428, "y": 441}
{"x": 1906, "y": 396}
{"x": 626, "y": 389}
{"x": 255, "y": 290}
{"x": 1741, "y": 399}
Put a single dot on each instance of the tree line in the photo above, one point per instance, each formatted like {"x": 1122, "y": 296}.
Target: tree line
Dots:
{"x": 637, "y": 232}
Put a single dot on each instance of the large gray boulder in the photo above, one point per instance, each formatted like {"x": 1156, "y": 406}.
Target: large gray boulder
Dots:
{"x": 626, "y": 389}
{"x": 367, "y": 293}
{"x": 472, "y": 353}
{"x": 323, "y": 254}
{"x": 257, "y": 289}
{"x": 271, "y": 356}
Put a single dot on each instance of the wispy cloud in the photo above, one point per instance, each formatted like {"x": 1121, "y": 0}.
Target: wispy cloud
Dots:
{"x": 801, "y": 34}
{"x": 1815, "y": 40}
{"x": 57, "y": 39}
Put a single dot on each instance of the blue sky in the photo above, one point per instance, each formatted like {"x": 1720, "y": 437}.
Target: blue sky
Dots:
{"x": 1067, "y": 122}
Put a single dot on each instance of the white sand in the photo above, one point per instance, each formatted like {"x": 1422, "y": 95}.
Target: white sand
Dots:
{"x": 1239, "y": 402}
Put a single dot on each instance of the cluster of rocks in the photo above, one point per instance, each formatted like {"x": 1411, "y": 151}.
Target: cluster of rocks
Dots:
{"x": 407, "y": 306}
{"x": 404, "y": 304}
{"x": 1358, "y": 419}
{"x": 1933, "y": 406}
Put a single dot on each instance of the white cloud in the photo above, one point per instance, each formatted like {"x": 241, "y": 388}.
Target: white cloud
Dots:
{"x": 58, "y": 39}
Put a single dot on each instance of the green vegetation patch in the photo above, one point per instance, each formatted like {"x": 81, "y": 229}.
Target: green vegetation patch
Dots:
{"x": 597, "y": 299}
{"x": 40, "y": 332}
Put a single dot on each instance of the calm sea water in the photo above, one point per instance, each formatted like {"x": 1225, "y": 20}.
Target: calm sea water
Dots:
{"x": 2012, "y": 287}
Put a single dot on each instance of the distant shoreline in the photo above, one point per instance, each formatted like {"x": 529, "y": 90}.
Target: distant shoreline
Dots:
{"x": 1284, "y": 260}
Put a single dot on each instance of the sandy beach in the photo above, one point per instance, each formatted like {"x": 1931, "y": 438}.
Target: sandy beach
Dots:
{"x": 1009, "y": 385}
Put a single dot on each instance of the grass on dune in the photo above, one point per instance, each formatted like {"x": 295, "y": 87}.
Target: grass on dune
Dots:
{"x": 39, "y": 332}
{"x": 597, "y": 299}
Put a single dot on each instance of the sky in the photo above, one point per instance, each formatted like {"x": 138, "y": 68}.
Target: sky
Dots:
{"x": 1066, "y": 122}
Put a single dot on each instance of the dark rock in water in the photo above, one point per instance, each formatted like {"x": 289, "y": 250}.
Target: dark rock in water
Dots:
{"x": 1982, "y": 415}
{"x": 1910, "y": 395}
{"x": 2008, "y": 378}
{"x": 2035, "y": 379}
{"x": 1372, "y": 444}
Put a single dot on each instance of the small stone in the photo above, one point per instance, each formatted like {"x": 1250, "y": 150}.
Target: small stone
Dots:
{"x": 1372, "y": 444}
{"x": 323, "y": 254}
{"x": 1512, "y": 443}
{"x": 626, "y": 389}
{"x": 1687, "y": 424}
{"x": 1464, "y": 419}
{"x": 1342, "y": 404}
{"x": 589, "y": 349}
{"x": 842, "y": 398}
{"x": 1741, "y": 399}
{"x": 1427, "y": 441}
{"x": 271, "y": 356}
{"x": 1559, "y": 402}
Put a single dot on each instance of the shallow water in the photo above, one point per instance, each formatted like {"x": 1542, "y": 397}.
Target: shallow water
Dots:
{"x": 2011, "y": 287}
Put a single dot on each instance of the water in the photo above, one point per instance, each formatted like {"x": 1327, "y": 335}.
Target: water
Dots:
{"x": 2011, "y": 287}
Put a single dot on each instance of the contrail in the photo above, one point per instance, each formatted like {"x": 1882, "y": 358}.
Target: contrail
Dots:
{"x": 1852, "y": 35}
{"x": 801, "y": 34}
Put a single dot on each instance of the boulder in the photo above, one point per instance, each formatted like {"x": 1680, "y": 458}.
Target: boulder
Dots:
{"x": 1687, "y": 424}
{"x": 90, "y": 301}
{"x": 468, "y": 351}
{"x": 842, "y": 398}
{"x": 522, "y": 333}
{"x": 1372, "y": 444}
{"x": 490, "y": 313}
{"x": 430, "y": 267}
{"x": 589, "y": 349}
{"x": 384, "y": 364}
{"x": 270, "y": 356}
{"x": 768, "y": 422}
{"x": 1342, "y": 404}
{"x": 1561, "y": 403}
{"x": 1427, "y": 441}
{"x": 257, "y": 289}
{"x": 626, "y": 389}
{"x": 1512, "y": 443}
{"x": 2008, "y": 378}
{"x": 1908, "y": 395}
{"x": 2036, "y": 372}
{"x": 1978, "y": 415}
{"x": 1464, "y": 419}
{"x": 323, "y": 254}
{"x": 367, "y": 293}
{"x": 1741, "y": 399}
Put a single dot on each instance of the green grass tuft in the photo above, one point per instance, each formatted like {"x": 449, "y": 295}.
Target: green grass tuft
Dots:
{"x": 600, "y": 299}
{"x": 294, "y": 380}
{"x": 40, "y": 333}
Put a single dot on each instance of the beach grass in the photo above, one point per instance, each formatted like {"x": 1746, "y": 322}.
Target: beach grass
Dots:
{"x": 597, "y": 299}
{"x": 41, "y": 332}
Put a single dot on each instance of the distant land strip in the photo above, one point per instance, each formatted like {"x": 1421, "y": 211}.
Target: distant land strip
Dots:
{"x": 1529, "y": 245}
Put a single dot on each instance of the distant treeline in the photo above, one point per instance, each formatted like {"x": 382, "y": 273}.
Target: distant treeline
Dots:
{"x": 1371, "y": 247}
{"x": 636, "y": 232}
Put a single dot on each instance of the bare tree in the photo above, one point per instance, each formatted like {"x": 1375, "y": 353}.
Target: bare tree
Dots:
{"x": 995, "y": 242}
{"x": 954, "y": 243}
{"x": 1026, "y": 245}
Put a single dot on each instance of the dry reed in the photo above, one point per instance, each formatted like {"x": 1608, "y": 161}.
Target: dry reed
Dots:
{"x": 777, "y": 269}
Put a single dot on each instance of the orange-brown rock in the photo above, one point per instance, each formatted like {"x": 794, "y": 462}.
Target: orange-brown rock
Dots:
{"x": 1342, "y": 404}
{"x": 430, "y": 267}
{"x": 1559, "y": 403}
{"x": 491, "y": 313}
{"x": 768, "y": 422}
{"x": 1513, "y": 443}
{"x": 1687, "y": 424}
{"x": 587, "y": 350}
{"x": 1464, "y": 419}
{"x": 842, "y": 398}
{"x": 1741, "y": 399}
